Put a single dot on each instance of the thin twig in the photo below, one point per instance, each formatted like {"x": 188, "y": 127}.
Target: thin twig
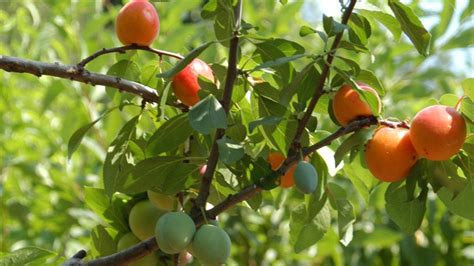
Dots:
{"x": 225, "y": 102}
{"x": 123, "y": 49}
{"x": 72, "y": 72}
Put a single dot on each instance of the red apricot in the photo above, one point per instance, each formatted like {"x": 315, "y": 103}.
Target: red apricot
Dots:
{"x": 438, "y": 132}
{"x": 137, "y": 23}
{"x": 390, "y": 154}
{"x": 185, "y": 83}
{"x": 347, "y": 104}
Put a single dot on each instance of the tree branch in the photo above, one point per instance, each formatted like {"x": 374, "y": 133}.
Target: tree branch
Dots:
{"x": 123, "y": 49}
{"x": 319, "y": 91}
{"x": 226, "y": 101}
{"x": 76, "y": 259}
{"x": 19, "y": 65}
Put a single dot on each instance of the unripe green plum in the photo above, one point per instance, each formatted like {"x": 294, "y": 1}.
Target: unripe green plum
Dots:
{"x": 143, "y": 218}
{"x": 174, "y": 232}
{"x": 129, "y": 240}
{"x": 306, "y": 177}
{"x": 211, "y": 245}
{"x": 161, "y": 201}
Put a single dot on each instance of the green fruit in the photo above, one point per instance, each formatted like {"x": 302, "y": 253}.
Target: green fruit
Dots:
{"x": 306, "y": 177}
{"x": 211, "y": 245}
{"x": 174, "y": 231}
{"x": 161, "y": 201}
{"x": 142, "y": 219}
{"x": 129, "y": 240}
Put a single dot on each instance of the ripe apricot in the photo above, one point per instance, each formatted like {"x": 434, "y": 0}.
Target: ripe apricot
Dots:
{"x": 137, "y": 23}
{"x": 438, "y": 132}
{"x": 347, "y": 104}
{"x": 276, "y": 159}
{"x": 390, "y": 154}
{"x": 185, "y": 83}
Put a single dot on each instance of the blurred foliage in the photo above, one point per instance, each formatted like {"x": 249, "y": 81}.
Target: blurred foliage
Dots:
{"x": 43, "y": 193}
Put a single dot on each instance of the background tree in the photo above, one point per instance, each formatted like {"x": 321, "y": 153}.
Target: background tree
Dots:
{"x": 60, "y": 201}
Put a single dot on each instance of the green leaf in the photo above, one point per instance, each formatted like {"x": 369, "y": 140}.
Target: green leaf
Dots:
{"x": 177, "y": 179}
{"x": 306, "y": 30}
{"x": 209, "y": 9}
{"x": 369, "y": 78}
{"x": 224, "y": 21}
{"x": 351, "y": 64}
{"x": 103, "y": 241}
{"x": 277, "y": 62}
{"x": 262, "y": 174}
{"x": 358, "y": 139}
{"x": 306, "y": 231}
{"x": 268, "y": 120}
{"x": 229, "y": 151}
{"x": 386, "y": 19}
{"x": 406, "y": 212}
{"x": 467, "y": 108}
{"x": 345, "y": 212}
{"x": 110, "y": 211}
{"x": 116, "y": 165}
{"x": 185, "y": 61}
{"x": 356, "y": 47}
{"x": 332, "y": 27}
{"x": 360, "y": 178}
{"x": 26, "y": 255}
{"x": 468, "y": 87}
{"x": 412, "y": 26}
{"x": 123, "y": 69}
{"x": 460, "y": 204}
{"x": 79, "y": 134}
{"x": 169, "y": 135}
{"x": 445, "y": 17}
{"x": 359, "y": 29}
{"x": 462, "y": 39}
{"x": 207, "y": 115}
{"x": 156, "y": 171}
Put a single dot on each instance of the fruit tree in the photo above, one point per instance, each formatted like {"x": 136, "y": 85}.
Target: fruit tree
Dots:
{"x": 243, "y": 132}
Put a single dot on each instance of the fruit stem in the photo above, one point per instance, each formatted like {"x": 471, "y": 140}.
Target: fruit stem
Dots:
{"x": 203, "y": 213}
{"x": 457, "y": 107}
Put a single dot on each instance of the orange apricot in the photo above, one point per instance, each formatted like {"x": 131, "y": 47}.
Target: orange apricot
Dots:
{"x": 185, "y": 83}
{"x": 276, "y": 160}
{"x": 390, "y": 154}
{"x": 137, "y": 23}
{"x": 347, "y": 104}
{"x": 438, "y": 132}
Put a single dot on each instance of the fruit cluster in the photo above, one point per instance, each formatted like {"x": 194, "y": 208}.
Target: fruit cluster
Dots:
{"x": 175, "y": 232}
{"x": 436, "y": 133}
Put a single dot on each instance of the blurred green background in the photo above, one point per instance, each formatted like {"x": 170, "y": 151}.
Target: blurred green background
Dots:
{"x": 42, "y": 192}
